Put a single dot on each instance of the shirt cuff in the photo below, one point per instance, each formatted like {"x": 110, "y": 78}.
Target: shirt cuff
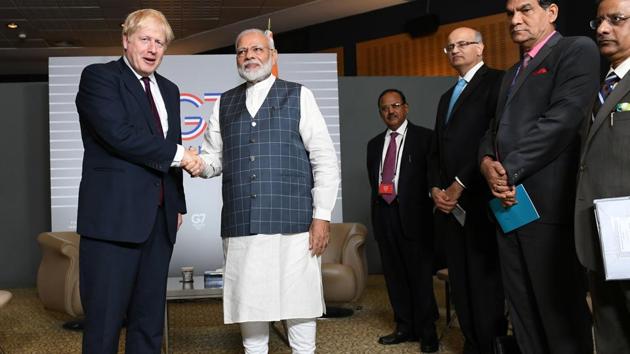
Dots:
{"x": 459, "y": 182}
{"x": 322, "y": 214}
{"x": 179, "y": 154}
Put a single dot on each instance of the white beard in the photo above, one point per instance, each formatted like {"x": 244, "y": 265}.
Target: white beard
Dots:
{"x": 256, "y": 75}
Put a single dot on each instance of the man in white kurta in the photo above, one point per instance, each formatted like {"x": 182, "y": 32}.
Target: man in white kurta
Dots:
{"x": 277, "y": 276}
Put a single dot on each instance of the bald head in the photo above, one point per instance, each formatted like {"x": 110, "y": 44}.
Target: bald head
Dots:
{"x": 464, "y": 49}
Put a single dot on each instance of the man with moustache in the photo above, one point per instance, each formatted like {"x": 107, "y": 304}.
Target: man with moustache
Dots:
{"x": 280, "y": 179}
{"x": 402, "y": 221}
{"x": 463, "y": 115}
{"x": 131, "y": 197}
{"x": 534, "y": 140}
{"x": 604, "y": 167}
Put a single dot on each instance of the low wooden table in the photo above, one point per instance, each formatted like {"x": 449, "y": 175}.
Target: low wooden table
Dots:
{"x": 177, "y": 290}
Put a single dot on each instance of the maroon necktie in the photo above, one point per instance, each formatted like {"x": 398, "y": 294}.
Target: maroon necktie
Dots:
{"x": 156, "y": 115}
{"x": 158, "y": 125}
{"x": 389, "y": 167}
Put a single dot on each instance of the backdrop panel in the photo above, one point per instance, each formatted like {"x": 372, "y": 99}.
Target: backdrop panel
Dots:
{"x": 201, "y": 79}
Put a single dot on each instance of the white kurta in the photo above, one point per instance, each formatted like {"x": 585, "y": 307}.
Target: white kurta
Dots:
{"x": 270, "y": 278}
{"x": 274, "y": 277}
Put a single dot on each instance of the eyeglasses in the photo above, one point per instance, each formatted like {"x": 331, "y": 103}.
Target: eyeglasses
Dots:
{"x": 395, "y": 106}
{"x": 613, "y": 20}
{"x": 258, "y": 50}
{"x": 460, "y": 45}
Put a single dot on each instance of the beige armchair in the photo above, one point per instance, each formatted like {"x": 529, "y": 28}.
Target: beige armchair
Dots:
{"x": 344, "y": 265}
{"x": 58, "y": 274}
{"x": 5, "y": 297}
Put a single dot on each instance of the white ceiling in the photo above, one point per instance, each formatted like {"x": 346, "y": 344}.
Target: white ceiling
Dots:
{"x": 92, "y": 27}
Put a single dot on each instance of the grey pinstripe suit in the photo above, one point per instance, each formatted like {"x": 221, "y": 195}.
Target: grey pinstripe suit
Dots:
{"x": 604, "y": 172}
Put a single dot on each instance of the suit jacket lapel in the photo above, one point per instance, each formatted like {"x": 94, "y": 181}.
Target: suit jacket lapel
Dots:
{"x": 137, "y": 91}
{"x": 443, "y": 108}
{"x": 503, "y": 93}
{"x": 406, "y": 156}
{"x": 533, "y": 64}
{"x": 622, "y": 88}
{"x": 470, "y": 88}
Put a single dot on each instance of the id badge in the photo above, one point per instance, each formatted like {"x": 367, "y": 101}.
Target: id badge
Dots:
{"x": 386, "y": 188}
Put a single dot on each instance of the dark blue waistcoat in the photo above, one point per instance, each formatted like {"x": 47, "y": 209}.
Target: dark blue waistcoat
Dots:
{"x": 267, "y": 178}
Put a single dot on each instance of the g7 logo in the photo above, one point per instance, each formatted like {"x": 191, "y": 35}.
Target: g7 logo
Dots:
{"x": 196, "y": 124}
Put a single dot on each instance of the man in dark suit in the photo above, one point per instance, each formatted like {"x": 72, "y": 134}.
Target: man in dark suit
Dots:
{"x": 131, "y": 197}
{"x": 604, "y": 167}
{"x": 401, "y": 219}
{"x": 543, "y": 102}
{"x": 462, "y": 119}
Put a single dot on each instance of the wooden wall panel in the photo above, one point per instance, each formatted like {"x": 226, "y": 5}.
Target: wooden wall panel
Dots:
{"x": 402, "y": 55}
{"x": 340, "y": 58}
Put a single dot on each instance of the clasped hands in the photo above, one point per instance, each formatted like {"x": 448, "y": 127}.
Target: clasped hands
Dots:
{"x": 496, "y": 176}
{"x": 192, "y": 162}
{"x": 446, "y": 200}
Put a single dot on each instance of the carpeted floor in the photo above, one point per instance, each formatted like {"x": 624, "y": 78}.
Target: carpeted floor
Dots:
{"x": 197, "y": 327}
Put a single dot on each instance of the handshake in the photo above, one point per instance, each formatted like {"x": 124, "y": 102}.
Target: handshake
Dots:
{"x": 192, "y": 162}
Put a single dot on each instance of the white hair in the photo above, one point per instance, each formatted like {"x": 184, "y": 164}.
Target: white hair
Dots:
{"x": 254, "y": 30}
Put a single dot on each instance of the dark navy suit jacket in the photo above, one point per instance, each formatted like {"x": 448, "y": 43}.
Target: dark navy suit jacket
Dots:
{"x": 124, "y": 158}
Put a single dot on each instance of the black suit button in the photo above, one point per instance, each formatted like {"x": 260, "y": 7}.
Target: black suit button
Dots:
{"x": 253, "y": 177}
{"x": 253, "y": 196}
{"x": 157, "y": 184}
{"x": 582, "y": 168}
{"x": 252, "y": 158}
{"x": 252, "y": 140}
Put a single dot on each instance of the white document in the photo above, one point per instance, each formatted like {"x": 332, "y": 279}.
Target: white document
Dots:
{"x": 460, "y": 214}
{"x": 613, "y": 225}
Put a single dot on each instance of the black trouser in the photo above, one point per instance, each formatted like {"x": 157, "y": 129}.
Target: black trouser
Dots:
{"x": 475, "y": 278}
{"x": 408, "y": 270}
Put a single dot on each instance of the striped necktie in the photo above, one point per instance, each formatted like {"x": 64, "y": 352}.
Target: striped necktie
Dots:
{"x": 606, "y": 89}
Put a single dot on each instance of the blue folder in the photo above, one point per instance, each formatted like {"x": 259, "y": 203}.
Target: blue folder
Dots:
{"x": 519, "y": 214}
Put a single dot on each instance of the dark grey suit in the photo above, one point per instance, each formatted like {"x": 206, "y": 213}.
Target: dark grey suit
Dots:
{"x": 536, "y": 138}
{"x": 604, "y": 172}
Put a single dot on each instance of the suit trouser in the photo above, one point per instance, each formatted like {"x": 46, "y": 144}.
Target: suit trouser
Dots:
{"x": 475, "y": 277}
{"x": 545, "y": 290}
{"x": 408, "y": 269}
{"x": 121, "y": 281}
{"x": 611, "y": 313}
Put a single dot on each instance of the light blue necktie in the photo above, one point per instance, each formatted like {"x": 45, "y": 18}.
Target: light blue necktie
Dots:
{"x": 461, "y": 83}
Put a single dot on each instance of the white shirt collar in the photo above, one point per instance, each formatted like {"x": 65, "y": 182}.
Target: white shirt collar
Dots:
{"x": 622, "y": 69}
{"x": 471, "y": 73}
{"x": 263, "y": 85}
{"x": 151, "y": 77}
{"x": 401, "y": 130}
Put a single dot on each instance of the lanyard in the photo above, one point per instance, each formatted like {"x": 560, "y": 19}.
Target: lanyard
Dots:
{"x": 399, "y": 149}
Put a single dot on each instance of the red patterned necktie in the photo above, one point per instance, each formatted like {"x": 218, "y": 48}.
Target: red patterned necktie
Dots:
{"x": 389, "y": 167}
{"x": 158, "y": 124}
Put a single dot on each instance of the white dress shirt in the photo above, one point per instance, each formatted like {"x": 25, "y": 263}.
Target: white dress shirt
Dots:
{"x": 313, "y": 131}
{"x": 162, "y": 112}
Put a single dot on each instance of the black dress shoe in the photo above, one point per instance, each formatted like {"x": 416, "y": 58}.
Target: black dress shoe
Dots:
{"x": 395, "y": 338}
{"x": 429, "y": 345}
